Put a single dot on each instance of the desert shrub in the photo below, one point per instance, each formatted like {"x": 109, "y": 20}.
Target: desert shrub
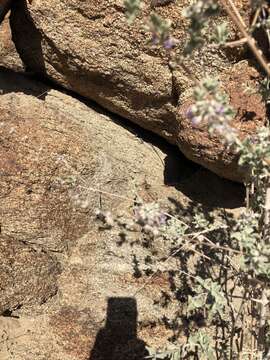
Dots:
{"x": 228, "y": 289}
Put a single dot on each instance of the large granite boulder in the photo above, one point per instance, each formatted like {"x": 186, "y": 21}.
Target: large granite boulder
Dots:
{"x": 88, "y": 47}
{"x": 69, "y": 291}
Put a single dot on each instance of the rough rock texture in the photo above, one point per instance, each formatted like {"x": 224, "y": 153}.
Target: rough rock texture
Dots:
{"x": 8, "y": 55}
{"x": 33, "y": 138}
{"x": 55, "y": 153}
{"x": 88, "y": 47}
{"x": 27, "y": 277}
{"x": 250, "y": 114}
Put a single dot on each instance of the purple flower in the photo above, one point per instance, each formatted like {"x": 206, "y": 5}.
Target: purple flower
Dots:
{"x": 150, "y": 215}
{"x": 193, "y": 117}
{"x": 189, "y": 113}
{"x": 220, "y": 110}
{"x": 169, "y": 43}
{"x": 155, "y": 39}
{"x": 196, "y": 120}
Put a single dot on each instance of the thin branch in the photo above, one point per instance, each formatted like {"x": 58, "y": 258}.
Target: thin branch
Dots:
{"x": 235, "y": 43}
{"x": 233, "y": 13}
{"x": 255, "y": 18}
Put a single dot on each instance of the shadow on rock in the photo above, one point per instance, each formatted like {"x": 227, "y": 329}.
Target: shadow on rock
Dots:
{"x": 20, "y": 18}
{"x": 203, "y": 186}
{"x": 11, "y": 82}
{"x": 118, "y": 339}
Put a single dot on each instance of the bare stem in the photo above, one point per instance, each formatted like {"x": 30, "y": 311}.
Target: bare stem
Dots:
{"x": 262, "y": 323}
{"x": 266, "y": 223}
{"x": 235, "y": 16}
{"x": 235, "y": 43}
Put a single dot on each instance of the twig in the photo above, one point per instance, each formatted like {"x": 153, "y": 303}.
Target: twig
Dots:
{"x": 233, "y": 13}
{"x": 266, "y": 223}
{"x": 262, "y": 322}
{"x": 255, "y": 18}
{"x": 236, "y": 12}
{"x": 235, "y": 43}
{"x": 211, "y": 244}
{"x": 253, "y": 344}
{"x": 105, "y": 193}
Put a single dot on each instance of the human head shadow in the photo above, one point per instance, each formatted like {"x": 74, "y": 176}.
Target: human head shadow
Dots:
{"x": 117, "y": 340}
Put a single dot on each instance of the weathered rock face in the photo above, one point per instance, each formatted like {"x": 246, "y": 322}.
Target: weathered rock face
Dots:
{"x": 34, "y": 208}
{"x": 55, "y": 153}
{"x": 27, "y": 277}
{"x": 9, "y": 57}
{"x": 250, "y": 114}
{"x": 96, "y": 55}
{"x": 88, "y": 47}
